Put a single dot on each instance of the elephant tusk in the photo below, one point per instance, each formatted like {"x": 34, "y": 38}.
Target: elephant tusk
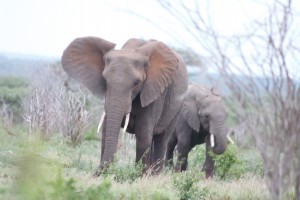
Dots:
{"x": 126, "y": 122}
{"x": 230, "y": 139}
{"x": 212, "y": 140}
{"x": 101, "y": 122}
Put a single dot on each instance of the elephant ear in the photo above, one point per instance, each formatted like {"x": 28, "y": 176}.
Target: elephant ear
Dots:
{"x": 189, "y": 111}
{"x": 83, "y": 61}
{"x": 162, "y": 67}
{"x": 133, "y": 43}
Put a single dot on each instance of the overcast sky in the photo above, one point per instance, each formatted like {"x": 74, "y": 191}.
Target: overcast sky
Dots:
{"x": 46, "y": 27}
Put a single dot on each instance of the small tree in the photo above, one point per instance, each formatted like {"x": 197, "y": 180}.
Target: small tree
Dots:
{"x": 39, "y": 114}
{"x": 73, "y": 117}
{"x": 269, "y": 106}
{"x": 53, "y": 106}
{"x": 6, "y": 118}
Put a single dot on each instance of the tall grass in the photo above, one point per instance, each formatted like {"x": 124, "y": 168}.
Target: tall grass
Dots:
{"x": 55, "y": 170}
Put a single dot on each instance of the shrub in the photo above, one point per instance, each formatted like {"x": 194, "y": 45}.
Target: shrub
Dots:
{"x": 73, "y": 116}
{"x": 13, "y": 82}
{"x": 65, "y": 189}
{"x": 185, "y": 183}
{"x": 253, "y": 162}
{"x": 228, "y": 165}
{"x": 55, "y": 106}
{"x": 91, "y": 134}
{"x": 12, "y": 90}
{"x": 40, "y": 178}
{"x": 196, "y": 157}
{"x": 124, "y": 172}
{"x": 160, "y": 195}
{"x": 233, "y": 164}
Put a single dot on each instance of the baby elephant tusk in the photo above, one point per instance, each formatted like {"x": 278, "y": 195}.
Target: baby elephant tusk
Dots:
{"x": 230, "y": 139}
{"x": 101, "y": 122}
{"x": 212, "y": 140}
{"x": 126, "y": 122}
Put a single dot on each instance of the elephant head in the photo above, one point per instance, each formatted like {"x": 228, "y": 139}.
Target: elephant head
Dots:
{"x": 139, "y": 69}
{"x": 204, "y": 108}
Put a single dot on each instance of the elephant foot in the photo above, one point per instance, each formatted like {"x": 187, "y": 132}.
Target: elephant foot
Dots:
{"x": 177, "y": 168}
{"x": 208, "y": 169}
{"x": 156, "y": 168}
{"x": 209, "y": 173}
{"x": 169, "y": 164}
{"x": 102, "y": 169}
{"x": 97, "y": 173}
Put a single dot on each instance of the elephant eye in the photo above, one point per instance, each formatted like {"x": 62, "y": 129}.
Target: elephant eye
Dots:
{"x": 136, "y": 82}
{"x": 145, "y": 63}
{"x": 107, "y": 60}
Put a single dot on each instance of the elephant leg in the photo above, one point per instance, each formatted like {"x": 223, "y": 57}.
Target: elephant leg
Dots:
{"x": 183, "y": 147}
{"x": 181, "y": 164}
{"x": 170, "y": 150}
{"x": 209, "y": 163}
{"x": 161, "y": 142}
{"x": 143, "y": 150}
{"x": 144, "y": 127}
{"x": 184, "y": 142}
{"x": 157, "y": 155}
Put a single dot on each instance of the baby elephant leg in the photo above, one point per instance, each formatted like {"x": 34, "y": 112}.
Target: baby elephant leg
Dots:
{"x": 209, "y": 163}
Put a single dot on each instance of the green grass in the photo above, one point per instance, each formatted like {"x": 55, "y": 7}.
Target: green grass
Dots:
{"x": 55, "y": 170}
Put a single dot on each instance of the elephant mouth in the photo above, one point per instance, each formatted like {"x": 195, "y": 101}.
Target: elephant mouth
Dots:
{"x": 102, "y": 120}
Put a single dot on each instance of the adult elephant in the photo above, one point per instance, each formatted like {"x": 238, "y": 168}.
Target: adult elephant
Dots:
{"x": 144, "y": 81}
{"x": 201, "y": 120}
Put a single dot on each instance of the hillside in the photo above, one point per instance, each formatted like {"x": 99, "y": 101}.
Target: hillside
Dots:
{"x": 22, "y": 65}
{"x": 26, "y": 65}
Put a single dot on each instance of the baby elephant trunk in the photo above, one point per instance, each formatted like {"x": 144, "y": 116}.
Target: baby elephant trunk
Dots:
{"x": 218, "y": 138}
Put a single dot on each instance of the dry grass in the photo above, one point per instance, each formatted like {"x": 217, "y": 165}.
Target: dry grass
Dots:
{"x": 80, "y": 162}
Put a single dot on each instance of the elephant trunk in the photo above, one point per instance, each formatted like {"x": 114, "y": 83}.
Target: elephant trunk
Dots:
{"x": 115, "y": 111}
{"x": 113, "y": 124}
{"x": 218, "y": 130}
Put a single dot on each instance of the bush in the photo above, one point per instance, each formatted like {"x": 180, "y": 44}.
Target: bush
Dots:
{"x": 160, "y": 195}
{"x": 185, "y": 183}
{"x": 124, "y": 172}
{"x": 53, "y": 105}
{"x": 196, "y": 157}
{"x": 12, "y": 90}
{"x": 253, "y": 162}
{"x": 91, "y": 134}
{"x": 233, "y": 164}
{"x": 228, "y": 165}
{"x": 13, "y": 82}
{"x": 65, "y": 189}
{"x": 40, "y": 178}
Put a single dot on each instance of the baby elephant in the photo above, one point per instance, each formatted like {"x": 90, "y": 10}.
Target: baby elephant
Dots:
{"x": 202, "y": 120}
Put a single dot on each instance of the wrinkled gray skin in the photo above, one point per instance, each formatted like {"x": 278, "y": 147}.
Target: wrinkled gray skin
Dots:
{"x": 145, "y": 79}
{"x": 202, "y": 113}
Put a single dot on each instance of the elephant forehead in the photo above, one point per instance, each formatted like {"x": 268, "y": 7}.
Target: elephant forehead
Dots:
{"x": 217, "y": 110}
{"x": 125, "y": 54}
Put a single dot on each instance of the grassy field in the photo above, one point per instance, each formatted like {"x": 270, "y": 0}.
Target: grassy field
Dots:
{"x": 56, "y": 170}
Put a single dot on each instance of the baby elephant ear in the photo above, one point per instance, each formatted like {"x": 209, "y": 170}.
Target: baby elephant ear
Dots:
{"x": 162, "y": 67}
{"x": 83, "y": 61}
{"x": 189, "y": 112}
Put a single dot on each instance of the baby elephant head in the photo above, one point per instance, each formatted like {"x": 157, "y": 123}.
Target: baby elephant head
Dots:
{"x": 203, "y": 108}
